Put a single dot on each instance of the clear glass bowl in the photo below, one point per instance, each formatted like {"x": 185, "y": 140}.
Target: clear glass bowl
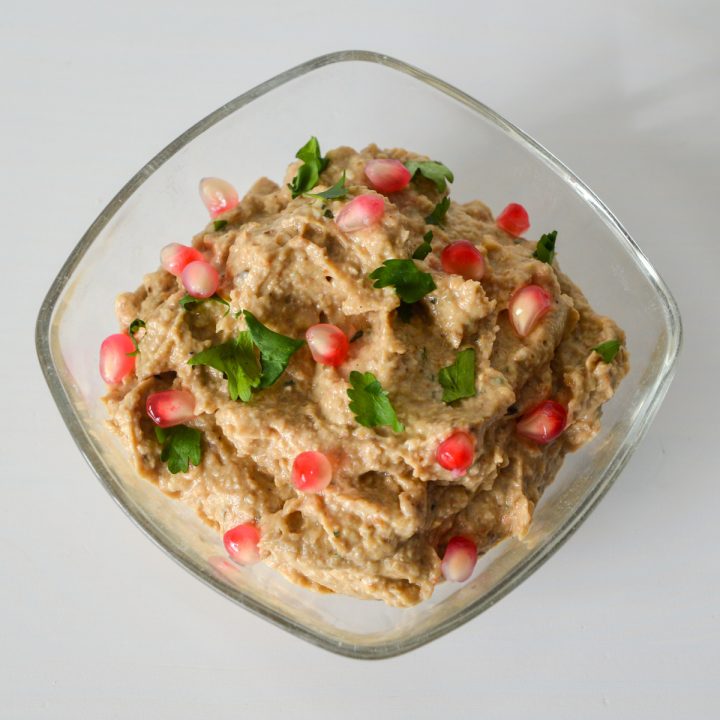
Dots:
{"x": 354, "y": 98}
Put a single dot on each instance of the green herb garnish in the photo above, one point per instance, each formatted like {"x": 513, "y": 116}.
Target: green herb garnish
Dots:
{"x": 435, "y": 171}
{"x": 425, "y": 248}
{"x": 458, "y": 379}
{"x": 410, "y": 283}
{"x": 188, "y": 301}
{"x": 357, "y": 336}
{"x": 220, "y": 224}
{"x": 275, "y": 349}
{"x": 545, "y": 248}
{"x": 308, "y": 173}
{"x": 181, "y": 445}
{"x": 608, "y": 350}
{"x": 328, "y": 214}
{"x": 237, "y": 361}
{"x": 338, "y": 190}
{"x": 135, "y": 325}
{"x": 437, "y": 216}
{"x": 370, "y": 403}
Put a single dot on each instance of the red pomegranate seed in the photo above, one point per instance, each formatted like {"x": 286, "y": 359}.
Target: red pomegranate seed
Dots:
{"x": 543, "y": 423}
{"x": 311, "y": 472}
{"x": 463, "y": 258}
{"x": 170, "y": 407}
{"x": 115, "y": 363}
{"x": 328, "y": 344}
{"x": 241, "y": 543}
{"x": 513, "y": 220}
{"x": 387, "y": 176}
{"x": 457, "y": 452}
{"x": 175, "y": 257}
{"x": 218, "y": 195}
{"x": 459, "y": 559}
{"x": 360, "y": 212}
{"x": 200, "y": 279}
{"x": 527, "y": 305}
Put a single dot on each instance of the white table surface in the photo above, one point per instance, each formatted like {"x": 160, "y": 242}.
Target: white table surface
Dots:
{"x": 622, "y": 623}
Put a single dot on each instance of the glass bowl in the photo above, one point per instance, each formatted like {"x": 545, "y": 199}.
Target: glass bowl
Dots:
{"x": 354, "y": 98}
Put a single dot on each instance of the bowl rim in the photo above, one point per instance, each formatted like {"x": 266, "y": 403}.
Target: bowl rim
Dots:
{"x": 636, "y": 431}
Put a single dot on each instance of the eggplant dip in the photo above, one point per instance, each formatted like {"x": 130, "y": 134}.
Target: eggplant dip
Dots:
{"x": 355, "y": 379}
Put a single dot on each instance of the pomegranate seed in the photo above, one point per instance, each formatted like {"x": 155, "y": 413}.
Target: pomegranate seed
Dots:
{"x": 527, "y": 305}
{"x": 115, "y": 363}
{"x": 463, "y": 258}
{"x": 200, "y": 279}
{"x": 457, "y": 452}
{"x": 328, "y": 344}
{"x": 387, "y": 176}
{"x": 241, "y": 543}
{"x": 311, "y": 472}
{"x": 361, "y": 212}
{"x": 170, "y": 407}
{"x": 513, "y": 220}
{"x": 175, "y": 257}
{"x": 218, "y": 195}
{"x": 543, "y": 423}
{"x": 459, "y": 559}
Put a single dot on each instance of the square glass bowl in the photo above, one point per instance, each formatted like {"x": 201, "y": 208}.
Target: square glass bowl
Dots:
{"x": 355, "y": 98}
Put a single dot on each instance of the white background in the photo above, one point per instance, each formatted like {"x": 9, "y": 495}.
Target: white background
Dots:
{"x": 624, "y": 622}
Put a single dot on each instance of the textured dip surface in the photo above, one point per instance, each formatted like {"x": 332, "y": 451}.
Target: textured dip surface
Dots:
{"x": 380, "y": 528}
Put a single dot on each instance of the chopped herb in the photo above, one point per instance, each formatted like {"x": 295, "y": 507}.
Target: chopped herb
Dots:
{"x": 187, "y": 302}
{"x": 220, "y": 224}
{"x": 308, "y": 173}
{"x": 458, "y": 379}
{"x": 405, "y": 311}
{"x": 545, "y": 248}
{"x": 236, "y": 359}
{"x": 425, "y": 248}
{"x": 608, "y": 350}
{"x": 370, "y": 403}
{"x": 181, "y": 446}
{"x": 275, "y": 349}
{"x": 437, "y": 216}
{"x": 410, "y": 283}
{"x": 328, "y": 214}
{"x": 435, "y": 171}
{"x": 135, "y": 325}
{"x": 357, "y": 336}
{"x": 336, "y": 533}
{"x": 338, "y": 190}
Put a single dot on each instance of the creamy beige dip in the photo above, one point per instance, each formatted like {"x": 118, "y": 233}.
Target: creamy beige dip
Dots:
{"x": 379, "y": 529}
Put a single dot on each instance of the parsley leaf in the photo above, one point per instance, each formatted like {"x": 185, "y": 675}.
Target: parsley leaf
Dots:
{"x": 188, "y": 301}
{"x": 435, "y": 171}
{"x": 458, "y": 379}
{"x": 437, "y": 216}
{"x": 608, "y": 350}
{"x": 275, "y": 349}
{"x": 135, "y": 325}
{"x": 180, "y": 447}
{"x": 338, "y": 190}
{"x": 308, "y": 173}
{"x": 236, "y": 359}
{"x": 410, "y": 283}
{"x": 545, "y": 248}
{"x": 220, "y": 224}
{"x": 425, "y": 248}
{"x": 370, "y": 403}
